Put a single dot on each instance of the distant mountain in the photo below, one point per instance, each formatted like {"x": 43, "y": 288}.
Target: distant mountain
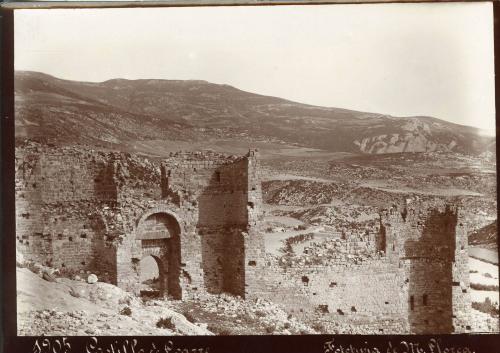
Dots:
{"x": 119, "y": 111}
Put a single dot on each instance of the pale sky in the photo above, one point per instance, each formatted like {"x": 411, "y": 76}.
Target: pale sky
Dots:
{"x": 398, "y": 59}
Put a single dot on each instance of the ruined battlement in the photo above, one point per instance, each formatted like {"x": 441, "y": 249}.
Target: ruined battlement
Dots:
{"x": 58, "y": 175}
{"x": 199, "y": 215}
{"x": 422, "y": 230}
{"x": 416, "y": 212}
{"x": 81, "y": 209}
{"x": 416, "y": 262}
{"x": 429, "y": 241}
{"x": 209, "y": 156}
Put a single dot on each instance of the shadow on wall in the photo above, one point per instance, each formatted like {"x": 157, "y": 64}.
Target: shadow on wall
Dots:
{"x": 174, "y": 260}
{"x": 221, "y": 229}
{"x": 430, "y": 274}
{"x": 104, "y": 185}
{"x": 104, "y": 258}
{"x": 233, "y": 264}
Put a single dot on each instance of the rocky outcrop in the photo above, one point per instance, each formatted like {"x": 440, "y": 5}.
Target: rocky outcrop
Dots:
{"x": 416, "y": 135}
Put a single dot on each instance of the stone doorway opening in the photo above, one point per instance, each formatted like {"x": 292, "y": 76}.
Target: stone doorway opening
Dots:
{"x": 159, "y": 234}
{"x": 150, "y": 277}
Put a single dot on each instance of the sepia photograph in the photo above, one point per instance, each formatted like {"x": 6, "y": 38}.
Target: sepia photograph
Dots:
{"x": 256, "y": 170}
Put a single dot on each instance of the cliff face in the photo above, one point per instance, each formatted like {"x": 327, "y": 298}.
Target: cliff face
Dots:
{"x": 419, "y": 135}
{"x": 120, "y": 113}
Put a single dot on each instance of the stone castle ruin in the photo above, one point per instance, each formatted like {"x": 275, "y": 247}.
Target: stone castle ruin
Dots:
{"x": 410, "y": 276}
{"x": 197, "y": 215}
{"x": 200, "y": 216}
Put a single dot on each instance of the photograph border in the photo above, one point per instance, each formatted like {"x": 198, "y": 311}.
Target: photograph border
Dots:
{"x": 479, "y": 343}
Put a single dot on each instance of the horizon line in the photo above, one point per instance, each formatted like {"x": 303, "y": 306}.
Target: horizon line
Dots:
{"x": 481, "y": 131}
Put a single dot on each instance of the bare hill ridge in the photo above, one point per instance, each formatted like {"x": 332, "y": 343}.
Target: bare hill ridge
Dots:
{"x": 117, "y": 112}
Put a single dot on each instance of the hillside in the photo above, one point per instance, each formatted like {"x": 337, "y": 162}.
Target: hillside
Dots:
{"x": 485, "y": 237}
{"x": 117, "y": 112}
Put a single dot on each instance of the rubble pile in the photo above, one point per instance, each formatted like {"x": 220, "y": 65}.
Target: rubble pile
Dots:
{"x": 70, "y": 307}
{"x": 225, "y": 314}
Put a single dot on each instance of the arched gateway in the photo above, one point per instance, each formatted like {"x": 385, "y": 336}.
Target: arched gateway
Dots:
{"x": 159, "y": 237}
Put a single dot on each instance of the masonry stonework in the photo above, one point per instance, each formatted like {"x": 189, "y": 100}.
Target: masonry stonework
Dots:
{"x": 200, "y": 216}
{"x": 103, "y": 212}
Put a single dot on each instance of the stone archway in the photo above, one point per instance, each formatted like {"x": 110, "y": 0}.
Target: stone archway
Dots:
{"x": 150, "y": 273}
{"x": 159, "y": 236}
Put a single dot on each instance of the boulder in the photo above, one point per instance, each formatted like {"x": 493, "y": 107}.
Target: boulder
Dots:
{"x": 48, "y": 277}
{"x": 91, "y": 279}
{"x": 74, "y": 293}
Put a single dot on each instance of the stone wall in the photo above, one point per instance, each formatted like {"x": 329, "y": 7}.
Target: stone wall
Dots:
{"x": 57, "y": 195}
{"x": 341, "y": 296}
{"x": 412, "y": 276}
{"x": 200, "y": 215}
{"x": 93, "y": 211}
{"x": 430, "y": 244}
{"x": 253, "y": 237}
{"x": 461, "y": 297}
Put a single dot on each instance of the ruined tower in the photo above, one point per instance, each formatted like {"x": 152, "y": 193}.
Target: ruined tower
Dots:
{"x": 254, "y": 236}
{"x": 429, "y": 242}
{"x": 198, "y": 214}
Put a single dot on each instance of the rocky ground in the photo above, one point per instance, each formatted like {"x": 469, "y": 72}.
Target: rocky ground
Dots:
{"x": 228, "y": 315}
{"x": 52, "y": 305}
{"x": 482, "y": 322}
{"x": 62, "y": 306}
